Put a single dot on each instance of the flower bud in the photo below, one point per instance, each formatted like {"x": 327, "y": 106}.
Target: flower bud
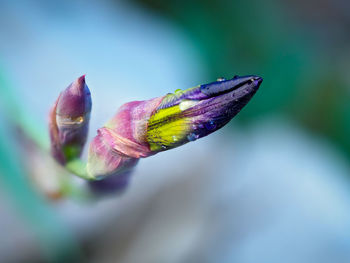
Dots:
{"x": 69, "y": 121}
{"x": 143, "y": 128}
{"x": 191, "y": 114}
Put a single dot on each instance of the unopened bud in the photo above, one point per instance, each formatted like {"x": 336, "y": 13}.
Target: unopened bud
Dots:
{"x": 69, "y": 121}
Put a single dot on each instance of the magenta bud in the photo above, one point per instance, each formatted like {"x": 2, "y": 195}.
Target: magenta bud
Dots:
{"x": 69, "y": 121}
{"x": 122, "y": 141}
{"x": 104, "y": 159}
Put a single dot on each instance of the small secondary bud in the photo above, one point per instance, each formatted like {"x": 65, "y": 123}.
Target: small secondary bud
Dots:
{"x": 69, "y": 121}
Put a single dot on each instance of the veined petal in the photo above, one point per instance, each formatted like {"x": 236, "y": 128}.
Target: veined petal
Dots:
{"x": 143, "y": 128}
{"x": 197, "y": 112}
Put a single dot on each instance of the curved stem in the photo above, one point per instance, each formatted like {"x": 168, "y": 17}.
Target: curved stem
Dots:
{"x": 78, "y": 167}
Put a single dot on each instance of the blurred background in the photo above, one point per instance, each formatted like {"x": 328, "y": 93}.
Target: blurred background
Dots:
{"x": 271, "y": 186}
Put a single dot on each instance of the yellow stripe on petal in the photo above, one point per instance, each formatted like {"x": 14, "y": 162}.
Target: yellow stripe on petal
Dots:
{"x": 167, "y": 128}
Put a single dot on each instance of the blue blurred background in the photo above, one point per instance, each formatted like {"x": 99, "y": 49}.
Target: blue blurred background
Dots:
{"x": 272, "y": 186}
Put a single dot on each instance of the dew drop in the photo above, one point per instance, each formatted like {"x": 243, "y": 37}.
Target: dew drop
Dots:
{"x": 79, "y": 119}
{"x": 192, "y": 137}
{"x": 221, "y": 79}
{"x": 70, "y": 121}
{"x": 186, "y": 104}
{"x": 210, "y": 125}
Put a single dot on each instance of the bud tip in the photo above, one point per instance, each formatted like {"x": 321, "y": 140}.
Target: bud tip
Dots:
{"x": 81, "y": 79}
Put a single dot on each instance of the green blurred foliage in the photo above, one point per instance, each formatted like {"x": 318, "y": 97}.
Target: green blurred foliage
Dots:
{"x": 301, "y": 49}
{"x": 54, "y": 240}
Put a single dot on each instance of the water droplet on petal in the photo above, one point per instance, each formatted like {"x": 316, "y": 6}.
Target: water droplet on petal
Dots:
{"x": 69, "y": 121}
{"x": 186, "y": 104}
{"x": 79, "y": 119}
{"x": 192, "y": 137}
{"x": 221, "y": 79}
{"x": 210, "y": 125}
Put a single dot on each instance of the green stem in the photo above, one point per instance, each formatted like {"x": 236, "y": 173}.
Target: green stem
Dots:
{"x": 78, "y": 167}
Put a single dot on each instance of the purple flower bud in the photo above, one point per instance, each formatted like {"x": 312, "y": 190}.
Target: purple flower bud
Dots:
{"x": 143, "y": 128}
{"x": 191, "y": 114}
{"x": 69, "y": 121}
